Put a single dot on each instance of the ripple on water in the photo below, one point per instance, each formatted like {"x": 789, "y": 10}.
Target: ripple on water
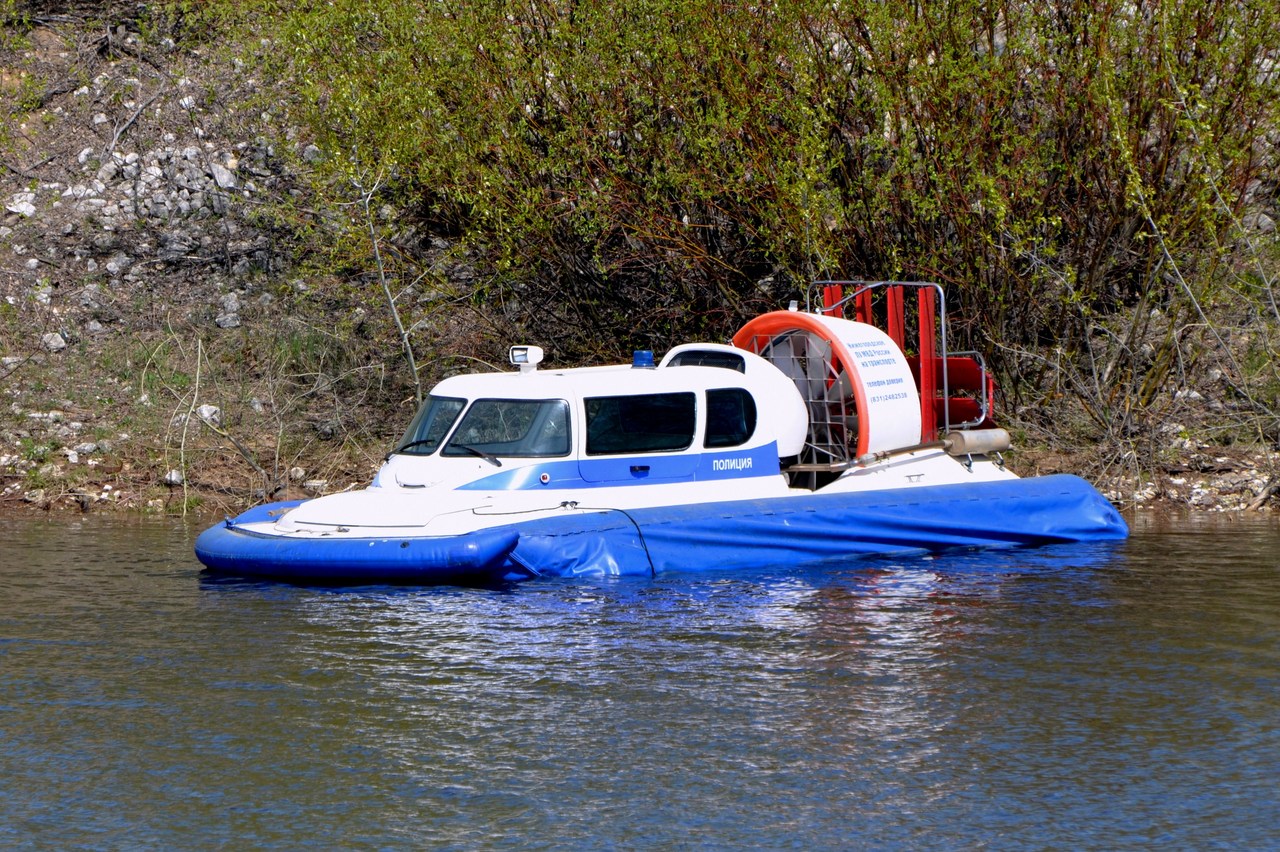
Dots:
{"x": 1095, "y": 696}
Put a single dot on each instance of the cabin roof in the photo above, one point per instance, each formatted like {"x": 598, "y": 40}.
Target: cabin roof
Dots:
{"x": 577, "y": 382}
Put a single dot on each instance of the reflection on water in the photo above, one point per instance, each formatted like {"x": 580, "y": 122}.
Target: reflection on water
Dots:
{"x": 1103, "y": 696}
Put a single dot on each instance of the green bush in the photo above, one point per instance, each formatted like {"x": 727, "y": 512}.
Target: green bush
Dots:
{"x": 665, "y": 167}
{"x": 693, "y": 142}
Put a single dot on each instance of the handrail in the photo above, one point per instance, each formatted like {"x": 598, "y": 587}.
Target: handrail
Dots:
{"x": 864, "y": 286}
{"x": 984, "y": 408}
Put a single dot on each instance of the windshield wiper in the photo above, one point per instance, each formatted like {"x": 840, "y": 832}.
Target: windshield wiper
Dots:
{"x": 409, "y": 446}
{"x": 492, "y": 459}
{"x": 479, "y": 453}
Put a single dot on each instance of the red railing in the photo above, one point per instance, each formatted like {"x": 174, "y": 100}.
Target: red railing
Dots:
{"x": 956, "y": 391}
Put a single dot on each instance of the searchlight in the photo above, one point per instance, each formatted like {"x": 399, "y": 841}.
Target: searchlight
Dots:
{"x": 527, "y": 358}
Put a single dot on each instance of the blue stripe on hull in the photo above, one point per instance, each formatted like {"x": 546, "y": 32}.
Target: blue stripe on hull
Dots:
{"x": 635, "y": 470}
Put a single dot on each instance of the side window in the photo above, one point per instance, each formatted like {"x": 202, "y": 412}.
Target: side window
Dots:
{"x": 731, "y": 417}
{"x": 657, "y": 422}
{"x": 710, "y": 358}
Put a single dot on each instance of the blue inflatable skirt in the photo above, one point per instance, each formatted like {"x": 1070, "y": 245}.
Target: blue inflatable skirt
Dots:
{"x": 711, "y": 536}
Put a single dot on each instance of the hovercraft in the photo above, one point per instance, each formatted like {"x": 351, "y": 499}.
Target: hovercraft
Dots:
{"x": 809, "y": 437}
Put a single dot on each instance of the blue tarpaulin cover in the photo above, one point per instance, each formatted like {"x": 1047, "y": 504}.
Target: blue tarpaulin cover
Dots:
{"x": 793, "y": 530}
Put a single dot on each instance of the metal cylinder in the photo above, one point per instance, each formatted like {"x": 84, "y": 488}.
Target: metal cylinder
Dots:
{"x": 977, "y": 442}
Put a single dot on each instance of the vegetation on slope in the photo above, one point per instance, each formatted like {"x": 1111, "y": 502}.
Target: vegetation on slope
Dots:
{"x": 1094, "y": 183}
{"x": 1081, "y": 176}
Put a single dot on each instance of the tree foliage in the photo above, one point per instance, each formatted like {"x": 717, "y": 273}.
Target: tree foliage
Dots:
{"x": 674, "y": 164}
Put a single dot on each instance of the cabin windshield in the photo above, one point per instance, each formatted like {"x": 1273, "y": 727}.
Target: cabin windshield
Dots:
{"x": 430, "y": 425}
{"x": 523, "y": 428}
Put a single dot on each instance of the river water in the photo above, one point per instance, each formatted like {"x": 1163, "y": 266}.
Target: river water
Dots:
{"x": 1083, "y": 697}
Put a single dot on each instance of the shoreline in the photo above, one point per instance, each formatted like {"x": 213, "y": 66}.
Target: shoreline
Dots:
{"x": 1237, "y": 484}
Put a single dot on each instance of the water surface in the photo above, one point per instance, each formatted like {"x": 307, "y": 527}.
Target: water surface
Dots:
{"x": 1103, "y": 696}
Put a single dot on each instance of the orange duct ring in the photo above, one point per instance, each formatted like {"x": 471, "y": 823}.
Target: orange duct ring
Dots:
{"x": 773, "y": 324}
